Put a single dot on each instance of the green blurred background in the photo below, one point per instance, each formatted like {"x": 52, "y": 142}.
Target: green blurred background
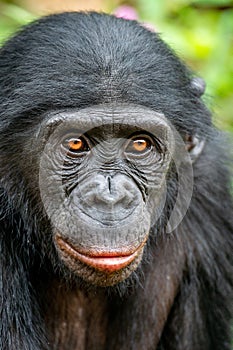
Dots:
{"x": 201, "y": 32}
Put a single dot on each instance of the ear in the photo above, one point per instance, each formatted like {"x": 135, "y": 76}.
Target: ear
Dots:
{"x": 198, "y": 86}
{"x": 194, "y": 146}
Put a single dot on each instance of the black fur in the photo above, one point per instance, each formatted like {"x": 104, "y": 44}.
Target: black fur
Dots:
{"x": 79, "y": 60}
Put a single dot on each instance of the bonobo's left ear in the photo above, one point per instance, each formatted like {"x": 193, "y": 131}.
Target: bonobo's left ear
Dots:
{"x": 198, "y": 86}
{"x": 194, "y": 146}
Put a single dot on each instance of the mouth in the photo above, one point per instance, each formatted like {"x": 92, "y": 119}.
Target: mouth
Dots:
{"x": 105, "y": 261}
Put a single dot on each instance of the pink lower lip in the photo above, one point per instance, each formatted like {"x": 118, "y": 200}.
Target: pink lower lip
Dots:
{"x": 110, "y": 264}
{"x": 106, "y": 262}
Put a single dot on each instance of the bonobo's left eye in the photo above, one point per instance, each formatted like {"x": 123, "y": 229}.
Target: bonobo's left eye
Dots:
{"x": 76, "y": 145}
{"x": 139, "y": 145}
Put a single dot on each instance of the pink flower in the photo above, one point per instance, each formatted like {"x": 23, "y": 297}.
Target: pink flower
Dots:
{"x": 126, "y": 12}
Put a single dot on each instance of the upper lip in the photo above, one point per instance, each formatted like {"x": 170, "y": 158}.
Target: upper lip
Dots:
{"x": 108, "y": 218}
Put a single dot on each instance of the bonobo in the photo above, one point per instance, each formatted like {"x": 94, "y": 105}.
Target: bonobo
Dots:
{"x": 115, "y": 209}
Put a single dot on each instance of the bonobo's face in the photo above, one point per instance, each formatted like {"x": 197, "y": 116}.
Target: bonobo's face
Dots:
{"x": 102, "y": 176}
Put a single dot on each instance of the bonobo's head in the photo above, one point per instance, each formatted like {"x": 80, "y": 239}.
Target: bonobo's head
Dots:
{"x": 99, "y": 107}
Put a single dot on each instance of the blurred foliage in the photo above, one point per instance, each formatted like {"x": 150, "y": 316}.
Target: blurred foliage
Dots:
{"x": 11, "y": 18}
{"x": 201, "y": 32}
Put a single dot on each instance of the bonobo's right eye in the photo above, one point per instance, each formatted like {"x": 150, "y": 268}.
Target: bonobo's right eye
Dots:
{"x": 75, "y": 146}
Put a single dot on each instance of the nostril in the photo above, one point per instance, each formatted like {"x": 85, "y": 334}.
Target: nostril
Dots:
{"x": 109, "y": 184}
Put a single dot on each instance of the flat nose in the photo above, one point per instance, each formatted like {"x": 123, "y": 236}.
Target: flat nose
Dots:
{"x": 107, "y": 199}
{"x": 112, "y": 191}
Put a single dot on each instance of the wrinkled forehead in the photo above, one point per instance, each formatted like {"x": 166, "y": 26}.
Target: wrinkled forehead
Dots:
{"x": 109, "y": 119}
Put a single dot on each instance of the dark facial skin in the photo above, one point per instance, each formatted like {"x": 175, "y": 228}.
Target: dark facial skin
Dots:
{"x": 102, "y": 175}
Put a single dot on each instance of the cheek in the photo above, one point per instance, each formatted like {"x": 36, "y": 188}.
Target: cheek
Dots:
{"x": 155, "y": 204}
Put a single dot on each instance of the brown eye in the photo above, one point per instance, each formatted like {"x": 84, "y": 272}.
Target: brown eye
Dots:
{"x": 139, "y": 145}
{"x": 76, "y": 145}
